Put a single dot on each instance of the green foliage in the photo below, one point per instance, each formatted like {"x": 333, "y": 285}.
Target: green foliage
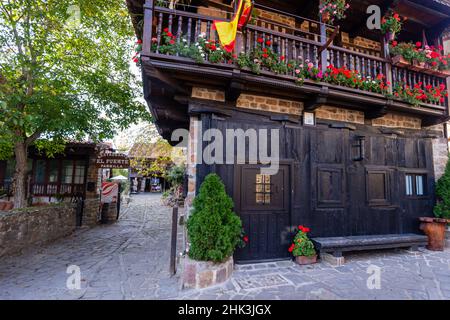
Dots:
{"x": 302, "y": 246}
{"x": 175, "y": 175}
{"x": 63, "y": 78}
{"x": 442, "y": 209}
{"x": 214, "y": 230}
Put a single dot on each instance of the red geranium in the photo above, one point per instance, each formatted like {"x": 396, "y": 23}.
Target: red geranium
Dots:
{"x": 268, "y": 42}
{"x": 245, "y": 239}
{"x": 418, "y": 44}
{"x": 260, "y": 40}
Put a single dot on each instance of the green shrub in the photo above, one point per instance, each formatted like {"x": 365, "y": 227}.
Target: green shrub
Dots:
{"x": 214, "y": 230}
{"x": 442, "y": 209}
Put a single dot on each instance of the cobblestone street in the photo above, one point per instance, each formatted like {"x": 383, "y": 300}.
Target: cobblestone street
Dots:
{"x": 126, "y": 260}
{"x": 130, "y": 260}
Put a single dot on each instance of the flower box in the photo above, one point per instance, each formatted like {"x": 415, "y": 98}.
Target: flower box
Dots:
{"x": 399, "y": 61}
{"x": 418, "y": 66}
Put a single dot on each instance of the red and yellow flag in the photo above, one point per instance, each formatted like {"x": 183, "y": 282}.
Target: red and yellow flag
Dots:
{"x": 227, "y": 30}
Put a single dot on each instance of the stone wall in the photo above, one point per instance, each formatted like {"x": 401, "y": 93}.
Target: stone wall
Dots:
{"x": 208, "y": 94}
{"x": 91, "y": 211}
{"x": 440, "y": 156}
{"x": 262, "y": 103}
{"x": 192, "y": 154}
{"x": 20, "y": 229}
{"x": 199, "y": 274}
{"x": 395, "y": 120}
{"x": 340, "y": 114}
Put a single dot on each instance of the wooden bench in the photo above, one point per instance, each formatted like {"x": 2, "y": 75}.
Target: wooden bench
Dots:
{"x": 337, "y": 245}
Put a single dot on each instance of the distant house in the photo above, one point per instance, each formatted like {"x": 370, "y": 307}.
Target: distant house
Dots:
{"x": 149, "y": 162}
{"x": 72, "y": 174}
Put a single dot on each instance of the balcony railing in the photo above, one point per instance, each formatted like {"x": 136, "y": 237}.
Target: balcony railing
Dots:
{"x": 56, "y": 189}
{"x": 292, "y": 43}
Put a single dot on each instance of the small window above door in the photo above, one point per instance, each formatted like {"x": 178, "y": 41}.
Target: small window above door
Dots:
{"x": 263, "y": 189}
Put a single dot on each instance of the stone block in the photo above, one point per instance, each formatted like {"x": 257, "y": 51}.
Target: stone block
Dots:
{"x": 334, "y": 261}
{"x": 201, "y": 274}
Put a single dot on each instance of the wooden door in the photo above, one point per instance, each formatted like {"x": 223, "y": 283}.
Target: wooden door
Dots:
{"x": 264, "y": 204}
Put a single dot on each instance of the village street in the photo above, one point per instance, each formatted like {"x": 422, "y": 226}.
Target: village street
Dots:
{"x": 130, "y": 260}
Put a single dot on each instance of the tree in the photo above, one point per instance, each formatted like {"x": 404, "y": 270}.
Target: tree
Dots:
{"x": 62, "y": 77}
{"x": 214, "y": 230}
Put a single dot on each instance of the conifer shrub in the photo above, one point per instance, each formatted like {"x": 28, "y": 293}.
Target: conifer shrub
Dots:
{"x": 214, "y": 230}
{"x": 442, "y": 209}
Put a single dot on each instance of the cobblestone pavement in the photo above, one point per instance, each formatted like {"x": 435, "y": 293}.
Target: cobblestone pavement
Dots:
{"x": 126, "y": 260}
{"x": 404, "y": 275}
{"x": 130, "y": 260}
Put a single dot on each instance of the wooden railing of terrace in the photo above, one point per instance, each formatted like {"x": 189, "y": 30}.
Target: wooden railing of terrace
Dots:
{"x": 294, "y": 44}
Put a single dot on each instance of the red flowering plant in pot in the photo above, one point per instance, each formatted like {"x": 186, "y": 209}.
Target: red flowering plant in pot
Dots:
{"x": 437, "y": 60}
{"x": 302, "y": 248}
{"x": 391, "y": 25}
{"x": 263, "y": 57}
{"x": 331, "y": 10}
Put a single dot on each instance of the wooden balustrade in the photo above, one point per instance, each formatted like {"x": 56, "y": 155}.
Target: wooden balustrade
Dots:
{"x": 293, "y": 45}
{"x": 53, "y": 189}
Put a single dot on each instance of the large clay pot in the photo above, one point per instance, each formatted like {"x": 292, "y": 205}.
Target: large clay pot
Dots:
{"x": 302, "y": 260}
{"x": 435, "y": 230}
{"x": 2, "y": 205}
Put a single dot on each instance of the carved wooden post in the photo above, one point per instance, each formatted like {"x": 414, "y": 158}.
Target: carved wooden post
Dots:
{"x": 323, "y": 41}
{"x": 148, "y": 24}
{"x": 388, "y": 66}
{"x": 240, "y": 43}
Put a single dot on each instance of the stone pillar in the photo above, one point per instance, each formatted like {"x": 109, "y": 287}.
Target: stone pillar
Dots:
{"x": 440, "y": 152}
{"x": 193, "y": 159}
{"x": 92, "y": 201}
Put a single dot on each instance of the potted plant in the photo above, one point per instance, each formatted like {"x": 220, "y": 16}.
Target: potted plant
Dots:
{"x": 303, "y": 248}
{"x": 438, "y": 63}
{"x": 391, "y": 25}
{"x": 214, "y": 231}
{"x": 435, "y": 228}
{"x": 330, "y": 10}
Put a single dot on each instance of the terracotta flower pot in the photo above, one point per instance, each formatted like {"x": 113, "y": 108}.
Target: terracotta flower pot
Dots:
{"x": 435, "y": 230}
{"x": 418, "y": 66}
{"x": 399, "y": 61}
{"x": 302, "y": 260}
{"x": 2, "y": 205}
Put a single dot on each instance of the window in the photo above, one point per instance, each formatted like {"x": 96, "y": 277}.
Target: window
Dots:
{"x": 39, "y": 175}
{"x": 53, "y": 171}
{"x": 415, "y": 185}
{"x": 263, "y": 189}
{"x": 67, "y": 172}
{"x": 78, "y": 177}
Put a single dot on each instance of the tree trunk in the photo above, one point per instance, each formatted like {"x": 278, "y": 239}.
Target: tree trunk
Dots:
{"x": 20, "y": 175}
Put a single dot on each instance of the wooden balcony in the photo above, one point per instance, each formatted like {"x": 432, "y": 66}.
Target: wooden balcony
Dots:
{"x": 178, "y": 72}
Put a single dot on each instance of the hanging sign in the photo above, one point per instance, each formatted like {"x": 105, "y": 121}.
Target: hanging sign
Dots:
{"x": 112, "y": 160}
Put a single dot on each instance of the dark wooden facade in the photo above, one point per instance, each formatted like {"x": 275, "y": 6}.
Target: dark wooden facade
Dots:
{"x": 325, "y": 183}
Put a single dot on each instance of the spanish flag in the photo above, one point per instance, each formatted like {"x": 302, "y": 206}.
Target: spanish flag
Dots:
{"x": 227, "y": 30}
